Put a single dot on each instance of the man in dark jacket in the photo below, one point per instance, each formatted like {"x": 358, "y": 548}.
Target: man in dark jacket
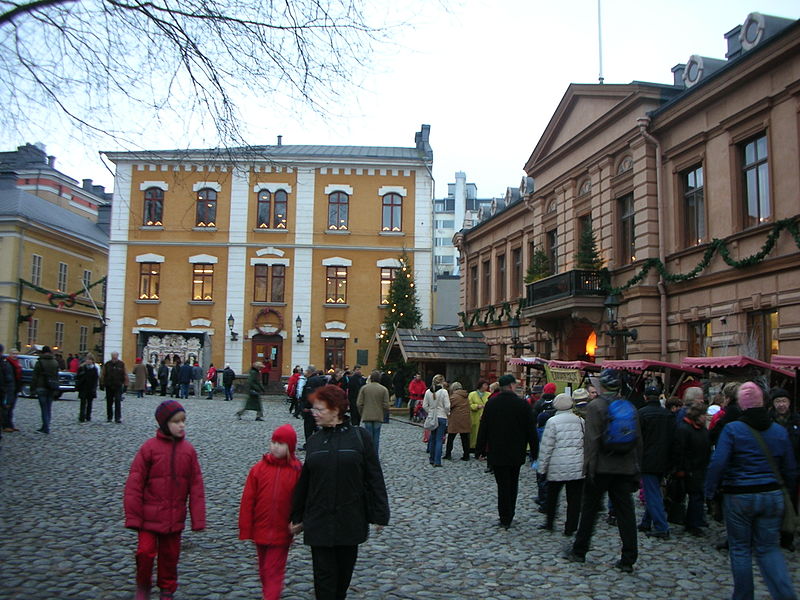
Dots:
{"x": 506, "y": 432}
{"x": 113, "y": 378}
{"x": 163, "y": 377}
{"x": 782, "y": 413}
{"x": 228, "y": 375}
{"x": 11, "y": 401}
{"x": 45, "y": 381}
{"x": 314, "y": 379}
{"x": 175, "y": 378}
{"x": 7, "y": 387}
{"x": 354, "y": 384}
{"x": 658, "y": 432}
{"x": 606, "y": 471}
{"x": 185, "y": 379}
{"x": 86, "y": 384}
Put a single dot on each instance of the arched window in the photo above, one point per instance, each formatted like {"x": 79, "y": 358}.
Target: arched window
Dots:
{"x": 338, "y": 204}
{"x": 272, "y": 209}
{"x": 264, "y": 208}
{"x": 392, "y": 219}
{"x": 153, "y": 207}
{"x": 279, "y": 209}
{"x": 206, "y": 208}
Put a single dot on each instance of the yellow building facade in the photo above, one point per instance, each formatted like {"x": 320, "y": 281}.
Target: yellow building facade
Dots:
{"x": 219, "y": 259}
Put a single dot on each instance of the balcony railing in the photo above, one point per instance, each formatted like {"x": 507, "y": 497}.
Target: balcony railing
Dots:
{"x": 564, "y": 285}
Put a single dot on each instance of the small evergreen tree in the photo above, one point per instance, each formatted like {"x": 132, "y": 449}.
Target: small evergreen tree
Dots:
{"x": 588, "y": 256}
{"x": 402, "y": 311}
{"x": 539, "y": 267}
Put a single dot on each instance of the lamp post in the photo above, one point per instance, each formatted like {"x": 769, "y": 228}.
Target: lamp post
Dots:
{"x": 612, "y": 303}
{"x": 513, "y": 325}
{"x": 231, "y": 323}
{"x": 298, "y": 322}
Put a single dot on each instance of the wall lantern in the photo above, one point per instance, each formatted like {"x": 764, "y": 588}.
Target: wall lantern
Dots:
{"x": 231, "y": 323}
{"x": 612, "y": 303}
{"x": 31, "y": 308}
{"x": 298, "y": 322}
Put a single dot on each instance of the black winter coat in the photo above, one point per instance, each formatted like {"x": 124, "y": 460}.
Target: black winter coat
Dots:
{"x": 312, "y": 384}
{"x": 658, "y": 433}
{"x": 86, "y": 381}
{"x": 163, "y": 374}
{"x": 341, "y": 488}
{"x": 507, "y": 429}
{"x": 691, "y": 452}
{"x": 228, "y": 375}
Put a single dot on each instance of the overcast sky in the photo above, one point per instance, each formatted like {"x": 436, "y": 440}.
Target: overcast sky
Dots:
{"x": 486, "y": 75}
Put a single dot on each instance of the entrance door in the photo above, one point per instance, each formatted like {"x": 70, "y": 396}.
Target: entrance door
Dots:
{"x": 269, "y": 350}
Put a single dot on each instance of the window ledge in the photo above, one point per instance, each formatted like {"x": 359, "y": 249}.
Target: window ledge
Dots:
{"x": 326, "y": 305}
{"x": 201, "y": 302}
{"x": 337, "y": 231}
{"x": 383, "y": 306}
{"x": 268, "y": 304}
{"x": 147, "y": 301}
{"x": 263, "y": 230}
{"x": 204, "y": 228}
{"x": 392, "y": 233}
{"x": 151, "y": 228}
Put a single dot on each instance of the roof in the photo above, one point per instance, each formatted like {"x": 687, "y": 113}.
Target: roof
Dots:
{"x": 430, "y": 345}
{"x": 716, "y": 363}
{"x": 792, "y": 362}
{"x": 532, "y": 361}
{"x": 17, "y": 203}
{"x": 642, "y": 365}
{"x": 581, "y": 365}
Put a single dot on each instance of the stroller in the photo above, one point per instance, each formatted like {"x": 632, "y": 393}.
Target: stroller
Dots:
{"x": 419, "y": 413}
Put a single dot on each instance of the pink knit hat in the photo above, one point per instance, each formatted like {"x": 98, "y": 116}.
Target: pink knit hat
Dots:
{"x": 750, "y": 396}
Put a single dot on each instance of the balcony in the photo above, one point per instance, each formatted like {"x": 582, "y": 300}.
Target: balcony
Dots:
{"x": 577, "y": 294}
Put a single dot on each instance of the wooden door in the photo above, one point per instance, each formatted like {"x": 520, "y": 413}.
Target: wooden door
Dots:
{"x": 269, "y": 349}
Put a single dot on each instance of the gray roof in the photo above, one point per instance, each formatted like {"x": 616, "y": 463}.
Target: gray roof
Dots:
{"x": 429, "y": 345}
{"x": 17, "y": 203}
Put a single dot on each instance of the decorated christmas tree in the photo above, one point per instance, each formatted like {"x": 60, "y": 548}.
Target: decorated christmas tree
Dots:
{"x": 539, "y": 267}
{"x": 401, "y": 311}
{"x": 588, "y": 256}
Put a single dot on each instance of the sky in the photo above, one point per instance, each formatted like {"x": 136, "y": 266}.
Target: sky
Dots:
{"x": 485, "y": 75}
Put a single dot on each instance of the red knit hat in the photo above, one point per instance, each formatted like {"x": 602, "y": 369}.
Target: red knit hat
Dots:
{"x": 549, "y": 388}
{"x": 285, "y": 434}
{"x": 165, "y": 411}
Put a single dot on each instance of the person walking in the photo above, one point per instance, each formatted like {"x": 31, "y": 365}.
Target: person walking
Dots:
{"x": 458, "y": 423}
{"x": 45, "y": 381}
{"x": 175, "y": 377}
{"x": 477, "y": 400}
{"x": 291, "y": 388}
{"x": 7, "y": 391}
{"x": 437, "y": 402}
{"x": 341, "y": 470}
{"x": 266, "y": 506}
{"x": 399, "y": 385}
{"x": 197, "y": 379}
{"x": 255, "y": 388}
{"x": 658, "y": 432}
{"x": 211, "y": 378}
{"x": 691, "y": 453}
{"x": 165, "y": 473}
{"x": 185, "y": 380}
{"x": 507, "y": 431}
{"x": 612, "y": 451}
{"x": 788, "y": 418}
{"x": 228, "y": 377}
{"x": 86, "y": 382}
{"x": 152, "y": 379}
{"x": 113, "y": 378}
{"x": 163, "y": 376}
{"x": 752, "y": 462}
{"x": 314, "y": 379}
{"x": 561, "y": 460}
{"x": 373, "y": 403}
{"x": 139, "y": 378}
{"x": 11, "y": 396}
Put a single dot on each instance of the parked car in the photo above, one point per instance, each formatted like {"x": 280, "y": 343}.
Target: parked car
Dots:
{"x": 66, "y": 379}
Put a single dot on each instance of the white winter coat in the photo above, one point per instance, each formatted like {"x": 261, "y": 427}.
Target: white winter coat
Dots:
{"x": 440, "y": 403}
{"x": 561, "y": 448}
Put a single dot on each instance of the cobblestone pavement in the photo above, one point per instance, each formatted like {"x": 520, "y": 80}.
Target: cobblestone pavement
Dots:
{"x": 62, "y": 534}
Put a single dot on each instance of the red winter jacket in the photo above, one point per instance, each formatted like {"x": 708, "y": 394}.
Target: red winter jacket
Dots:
{"x": 267, "y": 501}
{"x": 163, "y": 475}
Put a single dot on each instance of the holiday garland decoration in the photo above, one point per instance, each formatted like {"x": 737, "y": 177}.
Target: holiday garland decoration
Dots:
{"x": 62, "y": 300}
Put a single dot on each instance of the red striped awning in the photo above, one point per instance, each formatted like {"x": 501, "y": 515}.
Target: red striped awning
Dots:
{"x": 792, "y": 362}
{"x": 576, "y": 364}
{"x": 528, "y": 361}
{"x": 641, "y": 365}
{"x": 731, "y": 362}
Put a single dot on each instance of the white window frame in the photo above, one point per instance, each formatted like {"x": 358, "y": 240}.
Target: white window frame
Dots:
{"x": 36, "y": 269}
{"x": 59, "y": 336}
{"x": 33, "y": 332}
{"x": 83, "y": 339}
{"x": 63, "y": 277}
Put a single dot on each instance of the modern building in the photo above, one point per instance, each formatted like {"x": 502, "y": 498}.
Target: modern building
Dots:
{"x": 699, "y": 177}
{"x": 279, "y": 253}
{"x": 54, "y": 236}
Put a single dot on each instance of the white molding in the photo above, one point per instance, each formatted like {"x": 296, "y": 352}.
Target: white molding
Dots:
{"x": 335, "y": 325}
{"x": 214, "y": 185}
{"x": 272, "y": 187}
{"x": 149, "y": 258}
{"x": 198, "y": 323}
{"x": 203, "y": 258}
{"x": 392, "y": 189}
{"x": 253, "y": 332}
{"x": 391, "y": 263}
{"x": 162, "y": 185}
{"x": 240, "y": 202}
{"x": 338, "y": 187}
{"x": 337, "y": 261}
{"x": 334, "y": 334}
{"x": 269, "y": 261}
{"x": 209, "y": 331}
{"x": 270, "y": 250}
{"x": 147, "y": 321}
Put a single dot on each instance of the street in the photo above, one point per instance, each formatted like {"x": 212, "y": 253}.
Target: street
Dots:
{"x": 63, "y": 536}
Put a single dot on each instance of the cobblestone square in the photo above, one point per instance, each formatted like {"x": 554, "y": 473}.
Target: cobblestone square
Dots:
{"x": 61, "y": 522}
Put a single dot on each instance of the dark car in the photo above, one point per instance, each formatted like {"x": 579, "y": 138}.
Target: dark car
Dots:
{"x": 66, "y": 379}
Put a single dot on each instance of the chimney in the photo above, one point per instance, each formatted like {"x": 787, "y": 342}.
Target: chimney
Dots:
{"x": 51, "y": 162}
{"x": 734, "y": 43}
{"x": 87, "y": 185}
{"x": 104, "y": 217}
{"x": 280, "y": 140}
{"x": 99, "y": 190}
{"x": 677, "y": 74}
{"x": 421, "y": 141}
{"x": 8, "y": 180}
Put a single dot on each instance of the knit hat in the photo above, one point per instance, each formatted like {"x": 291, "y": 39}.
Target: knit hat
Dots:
{"x": 580, "y": 395}
{"x": 285, "y": 434}
{"x": 609, "y": 379}
{"x": 778, "y": 393}
{"x": 549, "y": 388}
{"x": 562, "y": 402}
{"x": 750, "y": 396}
{"x": 652, "y": 391}
{"x": 506, "y": 380}
{"x": 165, "y": 411}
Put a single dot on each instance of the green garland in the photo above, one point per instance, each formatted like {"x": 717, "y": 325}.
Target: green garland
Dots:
{"x": 61, "y": 299}
{"x": 482, "y": 316}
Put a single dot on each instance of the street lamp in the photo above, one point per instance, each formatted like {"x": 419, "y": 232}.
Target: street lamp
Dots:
{"x": 513, "y": 325}
{"x": 231, "y": 323}
{"x": 298, "y": 322}
{"x": 31, "y": 308}
{"x": 612, "y": 303}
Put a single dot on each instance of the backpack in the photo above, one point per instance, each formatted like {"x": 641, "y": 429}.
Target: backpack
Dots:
{"x": 620, "y": 434}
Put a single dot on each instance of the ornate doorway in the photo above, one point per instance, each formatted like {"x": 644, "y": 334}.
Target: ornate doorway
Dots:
{"x": 269, "y": 349}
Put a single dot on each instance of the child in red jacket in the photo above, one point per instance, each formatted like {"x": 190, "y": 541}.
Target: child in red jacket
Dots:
{"x": 266, "y": 506}
{"x": 163, "y": 475}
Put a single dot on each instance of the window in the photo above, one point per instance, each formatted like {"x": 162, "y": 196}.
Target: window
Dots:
{"x": 269, "y": 283}
{"x": 473, "y": 287}
{"x": 700, "y": 338}
{"x": 694, "y": 214}
{"x": 392, "y": 219}
{"x": 335, "y": 353}
{"x": 149, "y": 278}
{"x": 83, "y": 339}
{"x": 627, "y": 246}
{"x": 487, "y": 283}
{"x": 272, "y": 209}
{"x": 59, "y": 339}
{"x": 444, "y": 223}
{"x": 336, "y": 285}
{"x": 153, "y": 213}
{"x": 338, "y": 203}
{"x": 388, "y": 275}
{"x": 444, "y": 260}
{"x": 762, "y": 341}
{"x": 551, "y": 248}
{"x": 63, "y": 271}
{"x": 206, "y": 208}
{"x": 202, "y": 282}
{"x": 500, "y": 282}
{"x": 755, "y": 170}
{"x": 33, "y": 332}
{"x": 441, "y": 242}
{"x": 86, "y": 281}
{"x": 516, "y": 272}
{"x": 36, "y": 269}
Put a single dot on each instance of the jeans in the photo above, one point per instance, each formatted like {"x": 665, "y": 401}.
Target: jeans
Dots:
{"x": 654, "y": 503}
{"x": 374, "y": 429}
{"x": 753, "y": 523}
{"x": 398, "y": 401}
{"x": 507, "y": 478}
{"x": 85, "y": 410}
{"x": 46, "y": 404}
{"x": 114, "y": 404}
{"x": 184, "y": 393}
{"x": 228, "y": 392}
{"x": 436, "y": 442}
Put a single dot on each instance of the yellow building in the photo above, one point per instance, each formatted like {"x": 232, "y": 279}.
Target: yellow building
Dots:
{"x": 266, "y": 240}
{"x": 52, "y": 245}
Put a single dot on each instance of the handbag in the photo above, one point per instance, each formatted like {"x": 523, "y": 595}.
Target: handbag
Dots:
{"x": 431, "y": 421}
{"x": 789, "y": 523}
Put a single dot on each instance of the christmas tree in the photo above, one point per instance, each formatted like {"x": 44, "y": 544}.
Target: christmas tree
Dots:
{"x": 539, "y": 267}
{"x": 401, "y": 310}
{"x": 588, "y": 256}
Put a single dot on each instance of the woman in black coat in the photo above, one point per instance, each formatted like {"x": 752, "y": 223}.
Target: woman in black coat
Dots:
{"x": 340, "y": 491}
{"x": 692, "y": 451}
{"x": 86, "y": 384}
